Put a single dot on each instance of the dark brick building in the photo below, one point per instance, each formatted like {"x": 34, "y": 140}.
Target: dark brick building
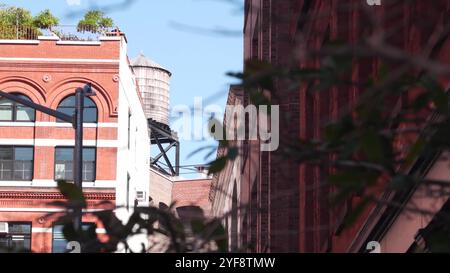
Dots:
{"x": 287, "y": 202}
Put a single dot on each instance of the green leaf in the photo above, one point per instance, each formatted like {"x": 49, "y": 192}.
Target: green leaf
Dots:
{"x": 437, "y": 92}
{"x": 233, "y": 153}
{"x": 217, "y": 165}
{"x": 197, "y": 226}
{"x": 372, "y": 145}
{"x": 421, "y": 101}
{"x": 415, "y": 151}
{"x": 401, "y": 182}
{"x": 335, "y": 131}
{"x": 71, "y": 192}
{"x": 220, "y": 237}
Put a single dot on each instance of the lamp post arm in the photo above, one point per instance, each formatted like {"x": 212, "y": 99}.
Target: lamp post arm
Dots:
{"x": 38, "y": 107}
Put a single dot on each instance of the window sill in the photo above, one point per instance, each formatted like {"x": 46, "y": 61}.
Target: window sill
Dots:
{"x": 69, "y": 125}
{"x": 17, "y": 124}
{"x": 53, "y": 184}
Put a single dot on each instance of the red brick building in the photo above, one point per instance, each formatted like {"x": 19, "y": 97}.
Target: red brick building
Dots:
{"x": 167, "y": 190}
{"x": 286, "y": 203}
{"x": 36, "y": 149}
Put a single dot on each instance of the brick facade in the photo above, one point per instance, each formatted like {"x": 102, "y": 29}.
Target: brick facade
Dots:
{"x": 47, "y": 71}
{"x": 166, "y": 191}
{"x": 287, "y": 208}
{"x": 186, "y": 193}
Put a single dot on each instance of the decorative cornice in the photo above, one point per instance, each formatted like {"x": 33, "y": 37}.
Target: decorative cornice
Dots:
{"x": 54, "y": 195}
{"x": 68, "y": 65}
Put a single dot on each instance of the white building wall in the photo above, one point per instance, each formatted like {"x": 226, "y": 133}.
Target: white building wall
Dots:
{"x": 402, "y": 232}
{"x": 133, "y": 155}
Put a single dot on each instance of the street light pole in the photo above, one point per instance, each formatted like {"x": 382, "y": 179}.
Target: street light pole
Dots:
{"x": 77, "y": 123}
{"x": 78, "y": 151}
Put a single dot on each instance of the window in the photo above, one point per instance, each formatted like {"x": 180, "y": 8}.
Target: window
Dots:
{"x": 129, "y": 129}
{"x": 64, "y": 164}
{"x": 16, "y": 163}
{"x": 128, "y": 191}
{"x": 67, "y": 106}
{"x": 59, "y": 242}
{"x": 17, "y": 239}
{"x": 13, "y": 111}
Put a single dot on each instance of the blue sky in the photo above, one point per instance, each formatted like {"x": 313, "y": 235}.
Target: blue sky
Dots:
{"x": 198, "y": 60}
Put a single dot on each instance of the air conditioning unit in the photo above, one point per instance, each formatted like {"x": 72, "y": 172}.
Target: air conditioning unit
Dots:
{"x": 140, "y": 196}
{"x": 3, "y": 228}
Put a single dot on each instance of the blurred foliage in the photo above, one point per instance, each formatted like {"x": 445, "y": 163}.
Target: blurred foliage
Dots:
{"x": 402, "y": 102}
{"x": 172, "y": 234}
{"x": 400, "y": 118}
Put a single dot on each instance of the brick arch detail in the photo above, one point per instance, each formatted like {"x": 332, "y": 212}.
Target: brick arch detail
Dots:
{"x": 106, "y": 107}
{"x": 24, "y": 86}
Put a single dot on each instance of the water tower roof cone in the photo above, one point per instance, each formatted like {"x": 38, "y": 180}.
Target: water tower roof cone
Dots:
{"x": 154, "y": 83}
{"x": 142, "y": 61}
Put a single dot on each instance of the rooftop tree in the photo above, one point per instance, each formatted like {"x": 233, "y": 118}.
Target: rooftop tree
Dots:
{"x": 95, "y": 21}
{"x": 45, "y": 20}
{"x": 18, "y": 23}
{"x": 15, "y": 23}
{"x": 13, "y": 16}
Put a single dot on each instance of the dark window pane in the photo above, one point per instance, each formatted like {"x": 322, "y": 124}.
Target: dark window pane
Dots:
{"x": 19, "y": 228}
{"x": 64, "y": 164}
{"x": 23, "y": 170}
{"x": 18, "y": 238}
{"x": 64, "y": 170}
{"x": 16, "y": 163}
{"x": 20, "y": 243}
{"x": 88, "y": 171}
{"x": 68, "y": 102}
{"x": 89, "y": 103}
{"x": 59, "y": 246}
{"x": 67, "y": 106}
{"x": 88, "y": 154}
{"x": 6, "y": 168}
{"x": 90, "y": 115}
{"x": 5, "y": 102}
{"x": 6, "y": 113}
{"x": 12, "y": 111}
{"x": 64, "y": 154}
{"x": 24, "y": 113}
{"x": 23, "y": 97}
{"x": 6, "y": 153}
{"x": 23, "y": 153}
{"x": 59, "y": 243}
{"x": 3, "y": 244}
{"x": 67, "y": 111}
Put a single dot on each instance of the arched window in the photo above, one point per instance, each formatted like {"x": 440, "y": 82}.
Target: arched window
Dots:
{"x": 67, "y": 106}
{"x": 13, "y": 111}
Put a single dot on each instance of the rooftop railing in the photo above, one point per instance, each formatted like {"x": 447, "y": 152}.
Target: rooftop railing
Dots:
{"x": 18, "y": 33}
{"x": 64, "y": 32}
